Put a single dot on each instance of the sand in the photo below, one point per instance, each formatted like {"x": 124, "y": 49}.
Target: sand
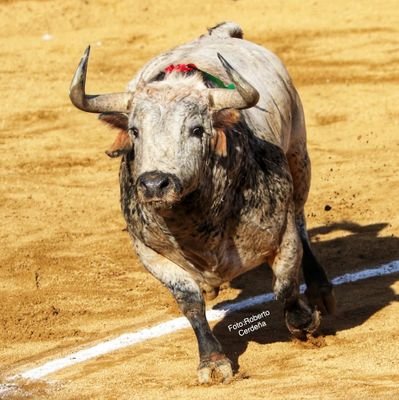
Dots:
{"x": 68, "y": 274}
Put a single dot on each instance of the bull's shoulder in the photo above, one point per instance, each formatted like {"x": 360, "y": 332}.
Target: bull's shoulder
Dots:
{"x": 267, "y": 181}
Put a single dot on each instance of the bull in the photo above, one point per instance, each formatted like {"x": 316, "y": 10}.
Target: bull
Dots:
{"x": 214, "y": 177}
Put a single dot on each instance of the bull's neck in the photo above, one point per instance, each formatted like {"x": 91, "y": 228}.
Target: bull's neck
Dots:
{"x": 220, "y": 191}
{"x": 244, "y": 178}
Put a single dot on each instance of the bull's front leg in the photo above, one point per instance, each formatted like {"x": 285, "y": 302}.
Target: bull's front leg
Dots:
{"x": 299, "y": 317}
{"x": 214, "y": 366}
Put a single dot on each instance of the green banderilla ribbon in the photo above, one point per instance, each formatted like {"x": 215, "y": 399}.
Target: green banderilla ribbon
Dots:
{"x": 218, "y": 82}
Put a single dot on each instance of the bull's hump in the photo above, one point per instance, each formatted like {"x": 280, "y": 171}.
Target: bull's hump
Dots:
{"x": 226, "y": 29}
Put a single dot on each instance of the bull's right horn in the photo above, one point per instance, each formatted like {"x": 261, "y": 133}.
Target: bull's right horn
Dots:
{"x": 113, "y": 102}
{"x": 244, "y": 96}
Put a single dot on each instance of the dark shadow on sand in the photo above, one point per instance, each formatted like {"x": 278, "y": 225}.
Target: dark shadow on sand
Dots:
{"x": 358, "y": 247}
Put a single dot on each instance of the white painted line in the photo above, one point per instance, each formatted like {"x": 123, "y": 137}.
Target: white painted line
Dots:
{"x": 129, "y": 339}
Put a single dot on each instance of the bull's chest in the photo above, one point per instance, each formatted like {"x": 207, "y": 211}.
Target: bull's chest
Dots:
{"x": 216, "y": 252}
{"x": 215, "y": 245}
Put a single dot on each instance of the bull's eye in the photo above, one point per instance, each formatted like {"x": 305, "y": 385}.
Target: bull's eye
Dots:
{"x": 197, "y": 131}
{"x": 134, "y": 131}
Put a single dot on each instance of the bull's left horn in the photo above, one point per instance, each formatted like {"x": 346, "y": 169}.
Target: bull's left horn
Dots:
{"x": 244, "y": 96}
{"x": 113, "y": 102}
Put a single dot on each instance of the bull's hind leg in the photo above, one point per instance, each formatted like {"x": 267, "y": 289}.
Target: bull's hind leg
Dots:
{"x": 214, "y": 366}
{"x": 299, "y": 317}
{"x": 319, "y": 289}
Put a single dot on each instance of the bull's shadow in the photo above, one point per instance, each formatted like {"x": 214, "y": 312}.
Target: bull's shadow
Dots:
{"x": 357, "y": 248}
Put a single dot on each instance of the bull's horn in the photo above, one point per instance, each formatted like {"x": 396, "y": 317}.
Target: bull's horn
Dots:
{"x": 244, "y": 96}
{"x": 114, "y": 102}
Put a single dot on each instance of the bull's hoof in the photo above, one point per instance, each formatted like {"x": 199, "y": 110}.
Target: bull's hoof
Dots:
{"x": 322, "y": 298}
{"x": 301, "y": 320}
{"x": 215, "y": 369}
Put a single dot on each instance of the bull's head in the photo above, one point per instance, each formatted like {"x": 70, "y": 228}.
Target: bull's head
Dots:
{"x": 170, "y": 125}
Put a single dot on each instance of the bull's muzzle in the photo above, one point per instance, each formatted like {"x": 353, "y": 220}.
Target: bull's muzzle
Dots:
{"x": 158, "y": 187}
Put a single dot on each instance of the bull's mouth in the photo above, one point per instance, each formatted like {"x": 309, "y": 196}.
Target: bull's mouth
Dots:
{"x": 161, "y": 203}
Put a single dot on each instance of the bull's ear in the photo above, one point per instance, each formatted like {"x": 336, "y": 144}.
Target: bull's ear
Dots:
{"x": 223, "y": 121}
{"x": 122, "y": 143}
{"x": 115, "y": 120}
{"x": 219, "y": 143}
{"x": 226, "y": 119}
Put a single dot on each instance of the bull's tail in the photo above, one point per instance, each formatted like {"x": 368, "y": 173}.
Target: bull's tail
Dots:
{"x": 319, "y": 290}
{"x": 225, "y": 30}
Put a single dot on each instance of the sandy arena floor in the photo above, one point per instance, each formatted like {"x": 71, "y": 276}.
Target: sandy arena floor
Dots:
{"x": 68, "y": 275}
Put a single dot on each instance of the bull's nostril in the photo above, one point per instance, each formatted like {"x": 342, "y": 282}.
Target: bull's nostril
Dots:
{"x": 164, "y": 183}
{"x": 142, "y": 184}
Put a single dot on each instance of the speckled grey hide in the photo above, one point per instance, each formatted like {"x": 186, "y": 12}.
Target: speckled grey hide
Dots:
{"x": 209, "y": 192}
{"x": 237, "y": 211}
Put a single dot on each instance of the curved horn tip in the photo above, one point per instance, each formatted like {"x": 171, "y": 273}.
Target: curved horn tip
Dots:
{"x": 87, "y": 51}
{"x": 224, "y": 62}
{"x": 245, "y": 95}
{"x": 82, "y": 66}
{"x": 80, "y": 73}
{"x": 85, "y": 58}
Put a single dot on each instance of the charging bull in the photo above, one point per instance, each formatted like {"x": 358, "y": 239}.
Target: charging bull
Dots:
{"x": 214, "y": 178}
